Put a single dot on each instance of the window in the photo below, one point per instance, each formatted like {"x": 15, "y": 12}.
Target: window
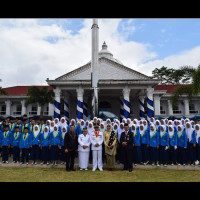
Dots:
{"x": 3, "y": 110}
{"x": 176, "y": 110}
{"x": 162, "y": 111}
{"x": 18, "y": 110}
{"x": 33, "y": 110}
{"x": 192, "y": 109}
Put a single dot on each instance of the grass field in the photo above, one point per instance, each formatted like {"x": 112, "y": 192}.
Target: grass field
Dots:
{"x": 60, "y": 175}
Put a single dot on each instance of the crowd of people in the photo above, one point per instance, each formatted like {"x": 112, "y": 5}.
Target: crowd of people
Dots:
{"x": 130, "y": 142}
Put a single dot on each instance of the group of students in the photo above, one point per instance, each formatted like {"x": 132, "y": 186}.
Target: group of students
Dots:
{"x": 130, "y": 142}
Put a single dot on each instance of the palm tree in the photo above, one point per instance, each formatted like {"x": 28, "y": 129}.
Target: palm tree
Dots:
{"x": 40, "y": 96}
{"x": 2, "y": 91}
{"x": 190, "y": 90}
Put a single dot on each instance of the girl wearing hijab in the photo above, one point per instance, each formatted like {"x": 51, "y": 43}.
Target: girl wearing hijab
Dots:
{"x": 157, "y": 125}
{"x": 62, "y": 157}
{"x": 55, "y": 144}
{"x": 136, "y": 145}
{"x": 56, "y": 121}
{"x": 182, "y": 145}
{"x": 63, "y": 123}
{"x": 164, "y": 145}
{"x": 153, "y": 144}
{"x": 191, "y": 145}
{"x": 144, "y": 134}
{"x": 197, "y": 131}
{"x": 102, "y": 127}
{"x": 51, "y": 128}
{"x": 110, "y": 142}
{"x": 45, "y": 145}
{"x": 36, "y": 143}
{"x": 173, "y": 144}
{"x": 115, "y": 128}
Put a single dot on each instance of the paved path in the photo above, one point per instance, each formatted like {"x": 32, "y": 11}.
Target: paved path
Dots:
{"x": 118, "y": 166}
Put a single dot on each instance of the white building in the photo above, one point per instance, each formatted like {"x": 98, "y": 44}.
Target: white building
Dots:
{"x": 121, "y": 90}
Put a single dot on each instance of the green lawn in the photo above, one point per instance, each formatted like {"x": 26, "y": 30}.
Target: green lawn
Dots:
{"x": 60, "y": 175}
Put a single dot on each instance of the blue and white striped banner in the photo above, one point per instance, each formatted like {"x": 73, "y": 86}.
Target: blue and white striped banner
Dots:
{"x": 79, "y": 111}
{"x": 141, "y": 102}
{"x": 150, "y": 108}
{"x": 126, "y": 108}
{"x": 66, "y": 110}
{"x": 121, "y": 110}
{"x": 56, "y": 109}
{"x": 85, "y": 110}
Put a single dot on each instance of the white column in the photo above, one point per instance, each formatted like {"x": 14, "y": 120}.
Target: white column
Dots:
{"x": 8, "y": 107}
{"x": 157, "y": 105}
{"x": 23, "y": 107}
{"x": 57, "y": 92}
{"x": 141, "y": 106}
{"x": 150, "y": 104}
{"x": 38, "y": 109}
{"x": 126, "y": 102}
{"x": 79, "y": 111}
{"x": 186, "y": 104}
{"x": 170, "y": 110}
{"x": 51, "y": 109}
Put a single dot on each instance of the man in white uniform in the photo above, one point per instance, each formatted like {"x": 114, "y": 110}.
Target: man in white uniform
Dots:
{"x": 83, "y": 149}
{"x": 96, "y": 138}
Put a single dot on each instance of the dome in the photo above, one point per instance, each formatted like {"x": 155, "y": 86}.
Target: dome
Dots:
{"x": 107, "y": 54}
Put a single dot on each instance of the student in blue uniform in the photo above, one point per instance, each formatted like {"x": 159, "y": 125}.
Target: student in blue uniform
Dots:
{"x": 45, "y": 145}
{"x": 12, "y": 125}
{"x": 6, "y": 143}
{"x": 24, "y": 144}
{"x": 55, "y": 144}
{"x": 172, "y": 144}
{"x": 182, "y": 145}
{"x": 63, "y": 155}
{"x": 191, "y": 145}
{"x": 15, "y": 144}
{"x": 197, "y": 132}
{"x": 35, "y": 150}
{"x": 153, "y": 144}
{"x": 25, "y": 124}
{"x": 164, "y": 145}
{"x": 136, "y": 145}
{"x": 144, "y": 136}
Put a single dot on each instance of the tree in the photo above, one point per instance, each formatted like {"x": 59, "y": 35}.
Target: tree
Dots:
{"x": 2, "y": 91}
{"x": 190, "y": 90}
{"x": 40, "y": 96}
{"x": 183, "y": 75}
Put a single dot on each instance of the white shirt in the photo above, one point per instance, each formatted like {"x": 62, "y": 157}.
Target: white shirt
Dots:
{"x": 84, "y": 140}
{"x": 94, "y": 140}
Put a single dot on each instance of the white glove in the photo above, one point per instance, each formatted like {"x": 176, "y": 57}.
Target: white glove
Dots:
{"x": 175, "y": 147}
{"x": 185, "y": 147}
{"x": 166, "y": 147}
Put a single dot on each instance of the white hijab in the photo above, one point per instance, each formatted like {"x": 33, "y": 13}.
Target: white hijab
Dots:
{"x": 189, "y": 131}
{"x": 90, "y": 130}
{"x": 171, "y": 133}
{"x": 46, "y": 133}
{"x": 34, "y": 131}
{"x": 197, "y": 132}
{"x": 154, "y": 128}
{"x": 142, "y": 129}
{"x": 161, "y": 132}
{"x": 182, "y": 128}
{"x": 63, "y": 132}
{"x": 63, "y": 124}
{"x": 156, "y": 124}
{"x": 57, "y": 122}
{"x": 102, "y": 129}
{"x": 51, "y": 128}
{"x": 120, "y": 130}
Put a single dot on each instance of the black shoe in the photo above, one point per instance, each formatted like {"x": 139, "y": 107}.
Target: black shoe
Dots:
{"x": 130, "y": 170}
{"x": 72, "y": 169}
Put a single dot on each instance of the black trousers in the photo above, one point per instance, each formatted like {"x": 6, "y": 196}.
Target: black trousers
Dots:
{"x": 70, "y": 156}
{"x": 128, "y": 158}
{"x": 5, "y": 152}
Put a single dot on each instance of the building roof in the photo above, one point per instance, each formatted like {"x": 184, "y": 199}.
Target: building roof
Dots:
{"x": 21, "y": 90}
{"x": 169, "y": 88}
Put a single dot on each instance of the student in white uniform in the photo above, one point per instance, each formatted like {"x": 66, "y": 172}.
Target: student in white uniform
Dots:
{"x": 96, "y": 138}
{"x": 84, "y": 149}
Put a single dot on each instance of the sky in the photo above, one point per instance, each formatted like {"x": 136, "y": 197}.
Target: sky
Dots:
{"x": 32, "y": 50}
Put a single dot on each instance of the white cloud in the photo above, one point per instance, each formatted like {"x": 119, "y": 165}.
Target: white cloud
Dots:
{"x": 27, "y": 57}
{"x": 189, "y": 57}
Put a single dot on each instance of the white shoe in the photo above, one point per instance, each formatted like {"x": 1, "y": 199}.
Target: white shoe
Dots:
{"x": 101, "y": 170}
{"x": 35, "y": 163}
{"x": 135, "y": 164}
{"x": 55, "y": 164}
{"x": 93, "y": 170}
{"x": 165, "y": 165}
{"x": 6, "y": 162}
{"x": 32, "y": 163}
{"x": 47, "y": 163}
{"x": 153, "y": 164}
{"x": 81, "y": 169}
{"x": 42, "y": 163}
{"x": 27, "y": 163}
{"x": 158, "y": 165}
{"x": 172, "y": 164}
{"x": 86, "y": 169}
